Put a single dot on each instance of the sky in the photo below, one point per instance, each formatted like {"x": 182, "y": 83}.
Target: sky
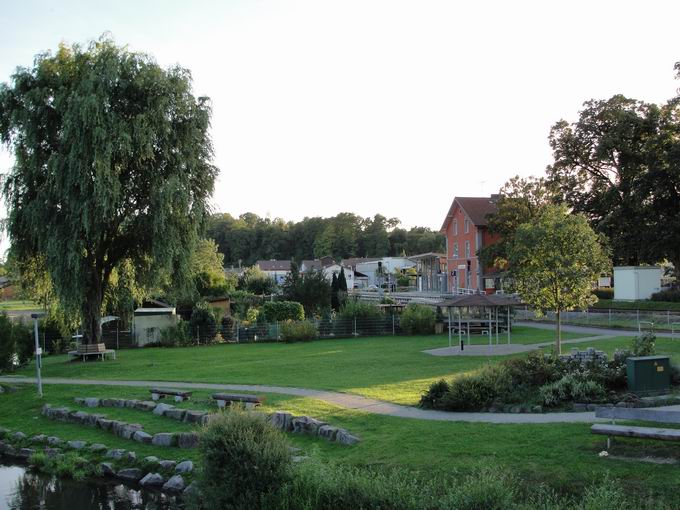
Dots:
{"x": 390, "y": 107}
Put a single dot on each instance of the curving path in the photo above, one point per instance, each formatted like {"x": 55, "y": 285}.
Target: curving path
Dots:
{"x": 346, "y": 400}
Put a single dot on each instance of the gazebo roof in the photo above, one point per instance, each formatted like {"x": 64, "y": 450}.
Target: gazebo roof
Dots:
{"x": 488, "y": 300}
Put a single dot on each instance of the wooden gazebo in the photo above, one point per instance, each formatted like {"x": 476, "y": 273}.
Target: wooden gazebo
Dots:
{"x": 493, "y": 313}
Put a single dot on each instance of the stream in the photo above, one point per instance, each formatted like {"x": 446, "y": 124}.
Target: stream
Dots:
{"x": 22, "y": 489}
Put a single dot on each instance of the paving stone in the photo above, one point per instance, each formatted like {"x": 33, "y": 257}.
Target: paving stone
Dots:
{"x": 152, "y": 480}
{"x": 186, "y": 466}
{"x": 174, "y": 484}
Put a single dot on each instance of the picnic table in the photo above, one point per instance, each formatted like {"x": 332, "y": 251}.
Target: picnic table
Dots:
{"x": 178, "y": 395}
{"x": 650, "y": 414}
{"x": 86, "y": 350}
{"x": 224, "y": 399}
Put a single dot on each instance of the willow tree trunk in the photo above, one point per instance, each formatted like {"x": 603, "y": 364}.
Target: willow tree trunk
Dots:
{"x": 92, "y": 314}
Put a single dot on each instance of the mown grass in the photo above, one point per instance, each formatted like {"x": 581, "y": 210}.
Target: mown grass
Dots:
{"x": 392, "y": 368}
{"x": 18, "y": 305}
{"x": 562, "y": 455}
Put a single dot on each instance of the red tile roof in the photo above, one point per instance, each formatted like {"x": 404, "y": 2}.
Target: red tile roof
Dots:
{"x": 476, "y": 208}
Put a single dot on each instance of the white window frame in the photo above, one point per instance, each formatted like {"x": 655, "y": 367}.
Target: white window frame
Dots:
{"x": 467, "y": 249}
{"x": 455, "y": 227}
{"x": 467, "y": 226}
{"x": 455, "y": 250}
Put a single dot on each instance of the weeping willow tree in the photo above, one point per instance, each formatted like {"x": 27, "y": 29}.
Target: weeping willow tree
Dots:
{"x": 112, "y": 170}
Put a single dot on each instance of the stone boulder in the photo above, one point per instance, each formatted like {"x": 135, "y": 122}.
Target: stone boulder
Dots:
{"x": 174, "y": 413}
{"x": 344, "y": 437}
{"x": 164, "y": 439}
{"x": 25, "y": 453}
{"x": 115, "y": 454}
{"x": 187, "y": 440}
{"x": 53, "y": 441}
{"x": 167, "y": 464}
{"x": 306, "y": 425}
{"x": 328, "y": 432}
{"x": 174, "y": 484}
{"x": 77, "y": 445}
{"x": 104, "y": 423}
{"x": 161, "y": 408}
{"x": 282, "y": 420}
{"x": 97, "y": 447}
{"x": 152, "y": 480}
{"x": 132, "y": 403}
{"x": 130, "y": 474}
{"x": 18, "y": 436}
{"x": 145, "y": 405}
{"x": 142, "y": 437}
{"x": 92, "y": 402}
{"x": 106, "y": 469}
{"x": 40, "y": 438}
{"x": 194, "y": 416}
{"x": 186, "y": 466}
{"x": 151, "y": 459}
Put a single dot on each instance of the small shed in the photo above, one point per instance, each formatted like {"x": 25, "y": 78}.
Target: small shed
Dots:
{"x": 148, "y": 323}
{"x": 636, "y": 282}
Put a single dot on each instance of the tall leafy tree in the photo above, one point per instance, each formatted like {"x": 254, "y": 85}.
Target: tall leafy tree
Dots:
{"x": 601, "y": 163}
{"x": 112, "y": 165}
{"x": 554, "y": 260}
{"x": 521, "y": 200}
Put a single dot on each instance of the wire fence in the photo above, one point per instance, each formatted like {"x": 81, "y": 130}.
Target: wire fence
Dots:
{"x": 641, "y": 320}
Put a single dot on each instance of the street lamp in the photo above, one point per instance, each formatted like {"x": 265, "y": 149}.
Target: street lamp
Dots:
{"x": 38, "y": 351}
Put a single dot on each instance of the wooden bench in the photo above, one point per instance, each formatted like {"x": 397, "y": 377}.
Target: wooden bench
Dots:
{"x": 224, "y": 399}
{"x": 656, "y": 415}
{"x": 86, "y": 350}
{"x": 178, "y": 395}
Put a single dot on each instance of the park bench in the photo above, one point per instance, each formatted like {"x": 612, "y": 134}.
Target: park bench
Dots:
{"x": 224, "y": 399}
{"x": 86, "y": 350}
{"x": 178, "y": 395}
{"x": 656, "y": 415}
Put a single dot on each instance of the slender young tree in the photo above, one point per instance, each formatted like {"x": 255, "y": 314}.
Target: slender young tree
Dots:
{"x": 112, "y": 166}
{"x": 554, "y": 260}
{"x": 335, "y": 303}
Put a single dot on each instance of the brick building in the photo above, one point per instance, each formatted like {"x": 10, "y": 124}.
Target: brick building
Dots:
{"x": 465, "y": 228}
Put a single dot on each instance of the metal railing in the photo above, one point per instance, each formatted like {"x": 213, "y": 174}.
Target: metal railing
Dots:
{"x": 639, "y": 320}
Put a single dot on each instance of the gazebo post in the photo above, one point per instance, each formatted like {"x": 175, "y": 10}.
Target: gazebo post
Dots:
{"x": 449, "y": 312}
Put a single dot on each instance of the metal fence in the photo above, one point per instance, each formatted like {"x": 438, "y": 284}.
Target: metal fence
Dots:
{"x": 612, "y": 318}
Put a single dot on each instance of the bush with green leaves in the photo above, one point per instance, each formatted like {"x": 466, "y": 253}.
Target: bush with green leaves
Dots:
{"x": 435, "y": 394}
{"x": 294, "y": 331}
{"x": 604, "y": 293}
{"x": 7, "y": 344}
{"x": 471, "y": 392}
{"x": 353, "y": 308}
{"x": 275, "y": 311}
{"x": 417, "y": 319}
{"x": 178, "y": 334}
{"x": 644, "y": 345}
{"x": 571, "y": 388}
{"x": 203, "y": 320}
{"x": 245, "y": 461}
{"x": 670, "y": 295}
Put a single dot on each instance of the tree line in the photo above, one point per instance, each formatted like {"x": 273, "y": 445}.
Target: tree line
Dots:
{"x": 249, "y": 238}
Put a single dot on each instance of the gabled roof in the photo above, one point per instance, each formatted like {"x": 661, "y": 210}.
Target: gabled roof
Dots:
{"x": 353, "y": 261}
{"x": 476, "y": 209}
{"x": 273, "y": 265}
{"x": 318, "y": 264}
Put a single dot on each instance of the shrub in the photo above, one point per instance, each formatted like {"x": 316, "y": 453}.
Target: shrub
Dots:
{"x": 228, "y": 325}
{"x": 7, "y": 344}
{"x": 177, "y": 334}
{"x": 202, "y": 320}
{"x": 604, "y": 293}
{"x": 434, "y": 396}
{"x": 571, "y": 388}
{"x": 644, "y": 345}
{"x": 292, "y": 331}
{"x": 364, "y": 314}
{"x": 536, "y": 369}
{"x": 672, "y": 295}
{"x": 274, "y": 311}
{"x": 245, "y": 460}
{"x": 418, "y": 319}
{"x": 477, "y": 391}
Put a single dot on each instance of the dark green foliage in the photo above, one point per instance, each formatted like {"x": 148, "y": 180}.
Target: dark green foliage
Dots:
{"x": 433, "y": 397}
{"x": 670, "y": 295}
{"x": 571, "y": 388}
{"x": 256, "y": 281}
{"x": 417, "y": 319}
{"x": 359, "y": 309}
{"x": 342, "y": 281}
{"x": 112, "y": 167}
{"x": 605, "y": 293}
{"x": 476, "y": 391}
{"x": 177, "y": 335}
{"x": 293, "y": 331}
{"x": 335, "y": 302}
{"x": 244, "y": 461}
{"x": 312, "y": 290}
{"x": 644, "y": 345}
{"x": 202, "y": 320}
{"x": 273, "y": 311}
{"x": 17, "y": 343}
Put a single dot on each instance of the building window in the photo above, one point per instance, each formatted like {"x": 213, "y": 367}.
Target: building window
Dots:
{"x": 455, "y": 250}
{"x": 455, "y": 227}
{"x": 467, "y": 226}
{"x": 467, "y": 249}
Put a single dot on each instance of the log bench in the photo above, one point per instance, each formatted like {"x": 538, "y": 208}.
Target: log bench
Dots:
{"x": 86, "y": 350}
{"x": 225, "y": 399}
{"x": 656, "y": 415}
{"x": 178, "y": 395}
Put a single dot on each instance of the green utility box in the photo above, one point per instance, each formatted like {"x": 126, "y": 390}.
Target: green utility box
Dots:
{"x": 649, "y": 374}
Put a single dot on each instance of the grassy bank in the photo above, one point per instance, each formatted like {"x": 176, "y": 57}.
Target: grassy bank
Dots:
{"x": 563, "y": 456}
{"x": 637, "y": 305}
{"x": 392, "y": 368}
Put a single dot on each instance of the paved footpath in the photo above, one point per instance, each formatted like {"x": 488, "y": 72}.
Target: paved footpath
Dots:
{"x": 354, "y": 402}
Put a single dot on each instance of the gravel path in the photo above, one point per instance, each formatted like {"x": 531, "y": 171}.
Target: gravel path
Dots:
{"x": 345, "y": 400}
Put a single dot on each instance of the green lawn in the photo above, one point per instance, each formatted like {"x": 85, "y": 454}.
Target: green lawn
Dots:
{"x": 561, "y": 455}
{"x": 390, "y": 368}
{"x": 18, "y": 305}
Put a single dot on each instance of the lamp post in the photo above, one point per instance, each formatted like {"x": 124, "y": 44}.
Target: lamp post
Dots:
{"x": 38, "y": 352}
